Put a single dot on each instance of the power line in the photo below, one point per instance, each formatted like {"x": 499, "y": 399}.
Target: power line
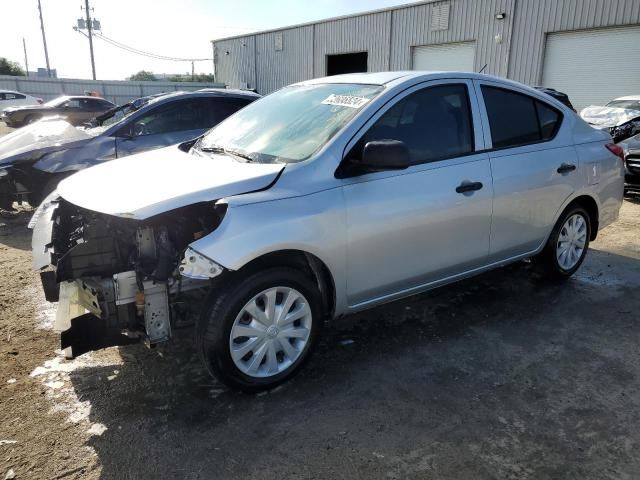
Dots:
{"x": 137, "y": 51}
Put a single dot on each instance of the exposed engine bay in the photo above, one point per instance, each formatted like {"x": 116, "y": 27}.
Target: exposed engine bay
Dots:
{"x": 120, "y": 280}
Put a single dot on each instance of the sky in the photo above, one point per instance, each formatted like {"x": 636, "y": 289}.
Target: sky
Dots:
{"x": 177, "y": 28}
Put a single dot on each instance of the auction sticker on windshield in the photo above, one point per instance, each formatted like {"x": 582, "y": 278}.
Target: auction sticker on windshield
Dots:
{"x": 345, "y": 101}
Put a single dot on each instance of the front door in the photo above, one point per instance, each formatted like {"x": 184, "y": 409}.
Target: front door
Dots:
{"x": 168, "y": 124}
{"x": 410, "y": 228}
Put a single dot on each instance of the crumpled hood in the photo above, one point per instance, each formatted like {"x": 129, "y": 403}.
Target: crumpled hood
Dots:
{"x": 141, "y": 186}
{"x": 33, "y": 141}
{"x": 606, "y": 117}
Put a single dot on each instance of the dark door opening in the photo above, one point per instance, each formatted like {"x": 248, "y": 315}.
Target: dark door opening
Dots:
{"x": 346, "y": 63}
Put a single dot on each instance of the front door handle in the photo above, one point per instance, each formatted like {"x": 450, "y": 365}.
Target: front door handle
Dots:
{"x": 566, "y": 168}
{"x": 468, "y": 187}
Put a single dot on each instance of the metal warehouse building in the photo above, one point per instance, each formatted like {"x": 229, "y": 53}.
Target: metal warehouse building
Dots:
{"x": 586, "y": 48}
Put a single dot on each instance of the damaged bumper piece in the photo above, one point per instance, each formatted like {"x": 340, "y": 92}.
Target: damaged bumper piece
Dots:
{"x": 120, "y": 281}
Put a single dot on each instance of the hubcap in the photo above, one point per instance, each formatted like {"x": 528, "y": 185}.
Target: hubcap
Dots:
{"x": 571, "y": 241}
{"x": 270, "y": 332}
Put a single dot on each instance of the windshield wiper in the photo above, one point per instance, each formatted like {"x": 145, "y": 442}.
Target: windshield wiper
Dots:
{"x": 232, "y": 153}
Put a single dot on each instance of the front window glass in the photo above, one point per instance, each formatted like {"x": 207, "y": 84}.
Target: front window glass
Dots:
{"x": 434, "y": 123}
{"x": 291, "y": 124}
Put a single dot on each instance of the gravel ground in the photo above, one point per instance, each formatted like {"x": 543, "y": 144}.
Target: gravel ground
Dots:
{"x": 497, "y": 377}
{"x": 4, "y": 129}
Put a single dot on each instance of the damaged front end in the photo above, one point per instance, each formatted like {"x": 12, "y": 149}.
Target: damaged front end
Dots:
{"x": 120, "y": 280}
{"x": 621, "y": 123}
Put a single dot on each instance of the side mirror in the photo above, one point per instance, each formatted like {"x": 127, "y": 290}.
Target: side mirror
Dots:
{"x": 382, "y": 155}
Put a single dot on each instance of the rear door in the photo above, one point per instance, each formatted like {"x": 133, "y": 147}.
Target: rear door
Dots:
{"x": 409, "y": 228}
{"x": 534, "y": 166}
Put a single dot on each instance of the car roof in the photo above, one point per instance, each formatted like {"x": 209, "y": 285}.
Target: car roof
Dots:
{"x": 11, "y": 91}
{"x": 218, "y": 92}
{"x": 88, "y": 97}
{"x": 628, "y": 97}
{"x": 384, "y": 78}
{"x": 230, "y": 91}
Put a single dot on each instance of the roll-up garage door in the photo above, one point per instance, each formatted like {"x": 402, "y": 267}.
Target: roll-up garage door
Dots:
{"x": 445, "y": 57}
{"x": 593, "y": 66}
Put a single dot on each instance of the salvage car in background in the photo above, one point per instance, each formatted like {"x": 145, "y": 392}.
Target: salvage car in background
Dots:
{"x": 620, "y": 117}
{"x": 35, "y": 158}
{"x": 119, "y": 112}
{"x": 11, "y": 98}
{"x": 632, "y": 164}
{"x": 322, "y": 199}
{"x": 73, "y": 109}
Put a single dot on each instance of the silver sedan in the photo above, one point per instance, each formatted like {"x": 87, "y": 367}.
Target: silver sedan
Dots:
{"x": 325, "y": 198}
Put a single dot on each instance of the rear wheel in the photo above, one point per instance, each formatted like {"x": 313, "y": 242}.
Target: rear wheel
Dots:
{"x": 567, "y": 246}
{"x": 259, "y": 330}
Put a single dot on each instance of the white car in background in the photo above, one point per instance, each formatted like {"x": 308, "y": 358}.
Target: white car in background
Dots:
{"x": 10, "y": 98}
{"x": 620, "y": 117}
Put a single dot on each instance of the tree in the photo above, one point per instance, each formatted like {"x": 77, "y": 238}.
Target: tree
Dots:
{"x": 7, "y": 67}
{"x": 143, "y": 75}
{"x": 198, "y": 77}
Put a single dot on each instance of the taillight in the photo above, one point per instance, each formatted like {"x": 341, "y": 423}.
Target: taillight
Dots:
{"x": 616, "y": 150}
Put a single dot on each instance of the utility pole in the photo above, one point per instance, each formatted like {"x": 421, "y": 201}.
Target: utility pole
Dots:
{"x": 90, "y": 29}
{"x": 26, "y": 61}
{"x": 192, "y": 72}
{"x": 44, "y": 40}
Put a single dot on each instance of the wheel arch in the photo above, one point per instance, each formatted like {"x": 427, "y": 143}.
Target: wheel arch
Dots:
{"x": 304, "y": 261}
{"x": 591, "y": 206}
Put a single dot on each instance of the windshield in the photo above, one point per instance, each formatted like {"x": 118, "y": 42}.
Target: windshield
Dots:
{"x": 116, "y": 114}
{"x": 630, "y": 104}
{"x": 291, "y": 124}
{"x": 56, "y": 101}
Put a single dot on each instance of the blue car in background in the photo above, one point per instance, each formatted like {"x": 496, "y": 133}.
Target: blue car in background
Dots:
{"x": 35, "y": 158}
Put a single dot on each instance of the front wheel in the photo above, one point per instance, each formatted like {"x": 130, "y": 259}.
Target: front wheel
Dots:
{"x": 258, "y": 331}
{"x": 32, "y": 118}
{"x": 567, "y": 246}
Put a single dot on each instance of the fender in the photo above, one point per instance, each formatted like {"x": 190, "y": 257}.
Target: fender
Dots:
{"x": 314, "y": 224}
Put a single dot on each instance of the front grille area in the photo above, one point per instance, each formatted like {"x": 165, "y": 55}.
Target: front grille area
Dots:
{"x": 633, "y": 164}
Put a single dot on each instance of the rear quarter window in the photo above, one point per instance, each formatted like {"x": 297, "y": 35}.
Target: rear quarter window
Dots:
{"x": 516, "y": 119}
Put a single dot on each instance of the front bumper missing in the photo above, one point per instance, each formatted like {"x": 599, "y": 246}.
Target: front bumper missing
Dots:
{"x": 81, "y": 321}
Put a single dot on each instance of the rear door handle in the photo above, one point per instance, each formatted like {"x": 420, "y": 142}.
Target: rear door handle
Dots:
{"x": 468, "y": 187}
{"x": 566, "y": 168}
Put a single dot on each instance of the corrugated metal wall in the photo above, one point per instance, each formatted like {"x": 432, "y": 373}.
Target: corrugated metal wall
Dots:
{"x": 512, "y": 47}
{"x": 292, "y": 64}
{"x": 361, "y": 33}
{"x": 535, "y": 18}
{"x": 468, "y": 21}
{"x": 235, "y": 61}
{"x": 118, "y": 92}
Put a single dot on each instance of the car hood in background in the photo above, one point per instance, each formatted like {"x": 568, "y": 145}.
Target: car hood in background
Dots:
{"x": 606, "y": 117}
{"x": 33, "y": 141}
{"x": 141, "y": 186}
{"x": 26, "y": 107}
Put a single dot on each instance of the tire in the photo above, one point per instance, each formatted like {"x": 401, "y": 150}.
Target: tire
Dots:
{"x": 265, "y": 363}
{"x": 551, "y": 263}
{"x": 32, "y": 118}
